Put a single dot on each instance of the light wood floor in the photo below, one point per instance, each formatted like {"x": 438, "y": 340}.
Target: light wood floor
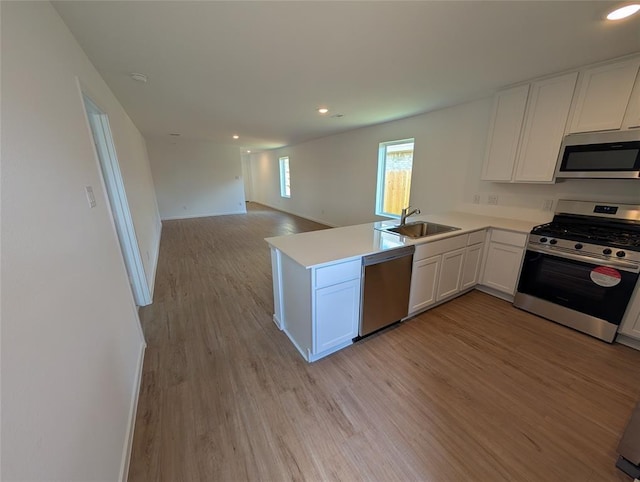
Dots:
{"x": 473, "y": 390}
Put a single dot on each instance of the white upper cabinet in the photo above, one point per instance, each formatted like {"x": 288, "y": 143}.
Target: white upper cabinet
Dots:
{"x": 632, "y": 117}
{"x": 526, "y": 130}
{"x": 603, "y": 95}
{"x": 546, "y": 119}
{"x": 504, "y": 133}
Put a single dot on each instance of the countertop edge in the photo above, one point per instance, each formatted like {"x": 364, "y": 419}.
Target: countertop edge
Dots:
{"x": 310, "y": 249}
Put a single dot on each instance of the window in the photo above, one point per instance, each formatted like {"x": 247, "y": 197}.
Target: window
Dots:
{"x": 395, "y": 160}
{"x": 285, "y": 177}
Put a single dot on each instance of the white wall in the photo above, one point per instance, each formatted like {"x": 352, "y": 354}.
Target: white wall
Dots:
{"x": 333, "y": 180}
{"x": 196, "y": 178}
{"x": 71, "y": 343}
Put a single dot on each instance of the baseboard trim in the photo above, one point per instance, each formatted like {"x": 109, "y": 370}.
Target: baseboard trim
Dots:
{"x": 204, "y": 215}
{"x": 154, "y": 268}
{"x": 303, "y": 216}
{"x": 277, "y": 321}
{"x": 493, "y": 292}
{"x": 304, "y": 354}
{"x": 628, "y": 341}
{"x": 133, "y": 410}
{"x": 438, "y": 303}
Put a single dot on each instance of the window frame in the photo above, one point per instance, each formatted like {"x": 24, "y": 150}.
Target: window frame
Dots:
{"x": 382, "y": 161}
{"x": 285, "y": 177}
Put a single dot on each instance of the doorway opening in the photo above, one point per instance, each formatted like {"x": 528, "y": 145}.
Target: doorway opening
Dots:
{"x": 114, "y": 186}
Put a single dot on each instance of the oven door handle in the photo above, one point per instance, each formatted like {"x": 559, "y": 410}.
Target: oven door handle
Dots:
{"x": 586, "y": 259}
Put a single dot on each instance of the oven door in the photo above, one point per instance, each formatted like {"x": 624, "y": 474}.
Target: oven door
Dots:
{"x": 598, "y": 288}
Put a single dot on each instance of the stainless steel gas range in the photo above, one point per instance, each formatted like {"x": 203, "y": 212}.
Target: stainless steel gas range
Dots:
{"x": 580, "y": 269}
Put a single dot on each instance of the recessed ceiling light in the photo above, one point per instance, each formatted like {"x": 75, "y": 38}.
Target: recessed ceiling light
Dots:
{"x": 248, "y": 152}
{"x": 138, "y": 77}
{"x": 623, "y": 12}
{"x": 323, "y": 110}
{"x": 236, "y": 136}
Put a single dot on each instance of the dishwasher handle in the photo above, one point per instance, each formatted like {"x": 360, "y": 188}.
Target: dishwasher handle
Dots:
{"x": 388, "y": 255}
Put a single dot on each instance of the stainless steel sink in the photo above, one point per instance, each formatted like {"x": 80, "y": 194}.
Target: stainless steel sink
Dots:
{"x": 420, "y": 229}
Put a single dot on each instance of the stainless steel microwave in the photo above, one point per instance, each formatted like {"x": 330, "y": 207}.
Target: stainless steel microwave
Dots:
{"x": 600, "y": 155}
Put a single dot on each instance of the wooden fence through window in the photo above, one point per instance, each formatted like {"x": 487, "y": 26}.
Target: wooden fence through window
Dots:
{"x": 397, "y": 184}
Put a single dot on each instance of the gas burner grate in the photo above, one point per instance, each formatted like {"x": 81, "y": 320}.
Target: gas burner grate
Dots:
{"x": 593, "y": 234}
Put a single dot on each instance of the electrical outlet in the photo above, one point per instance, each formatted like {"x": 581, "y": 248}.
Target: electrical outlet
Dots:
{"x": 492, "y": 199}
{"x": 548, "y": 205}
{"x": 476, "y": 199}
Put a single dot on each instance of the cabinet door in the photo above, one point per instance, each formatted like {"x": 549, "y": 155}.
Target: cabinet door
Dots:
{"x": 504, "y": 133}
{"x": 632, "y": 117}
{"x": 450, "y": 274}
{"x": 544, "y": 127}
{"x": 337, "y": 313}
{"x": 423, "y": 283}
{"x": 603, "y": 95}
{"x": 630, "y": 325}
{"x": 502, "y": 267}
{"x": 471, "y": 268}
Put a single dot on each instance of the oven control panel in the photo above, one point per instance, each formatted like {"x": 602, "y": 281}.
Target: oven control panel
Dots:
{"x": 601, "y": 209}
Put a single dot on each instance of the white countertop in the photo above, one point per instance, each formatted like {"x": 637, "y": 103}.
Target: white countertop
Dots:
{"x": 329, "y": 245}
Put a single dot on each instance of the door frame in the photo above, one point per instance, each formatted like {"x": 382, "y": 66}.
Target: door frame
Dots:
{"x": 116, "y": 197}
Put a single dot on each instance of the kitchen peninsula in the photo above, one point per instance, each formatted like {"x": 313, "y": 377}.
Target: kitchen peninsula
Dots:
{"x": 317, "y": 275}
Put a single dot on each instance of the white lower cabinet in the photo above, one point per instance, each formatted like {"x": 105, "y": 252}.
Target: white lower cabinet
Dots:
{"x": 503, "y": 263}
{"x": 444, "y": 268}
{"x": 337, "y": 314}
{"x": 503, "y": 260}
{"x": 319, "y": 307}
{"x": 450, "y": 274}
{"x": 424, "y": 280}
{"x": 471, "y": 269}
{"x": 630, "y": 325}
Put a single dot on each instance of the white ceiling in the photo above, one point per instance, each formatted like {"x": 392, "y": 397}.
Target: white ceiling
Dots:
{"x": 261, "y": 69}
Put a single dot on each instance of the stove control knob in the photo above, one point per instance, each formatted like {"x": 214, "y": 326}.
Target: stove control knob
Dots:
{"x": 553, "y": 241}
{"x": 606, "y": 251}
{"x": 578, "y": 246}
{"x": 543, "y": 240}
{"x": 621, "y": 254}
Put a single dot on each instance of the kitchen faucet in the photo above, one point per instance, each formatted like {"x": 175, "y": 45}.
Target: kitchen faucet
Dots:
{"x": 406, "y": 213}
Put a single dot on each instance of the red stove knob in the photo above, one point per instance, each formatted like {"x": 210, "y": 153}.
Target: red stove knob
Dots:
{"x": 553, "y": 241}
{"x": 578, "y": 246}
{"x": 621, "y": 254}
{"x": 606, "y": 251}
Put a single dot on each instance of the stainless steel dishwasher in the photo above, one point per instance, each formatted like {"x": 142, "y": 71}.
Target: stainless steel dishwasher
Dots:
{"x": 386, "y": 281}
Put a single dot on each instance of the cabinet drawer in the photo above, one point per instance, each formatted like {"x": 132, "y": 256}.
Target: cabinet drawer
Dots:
{"x": 508, "y": 237}
{"x": 337, "y": 273}
{"x": 434, "y": 248}
{"x": 476, "y": 237}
